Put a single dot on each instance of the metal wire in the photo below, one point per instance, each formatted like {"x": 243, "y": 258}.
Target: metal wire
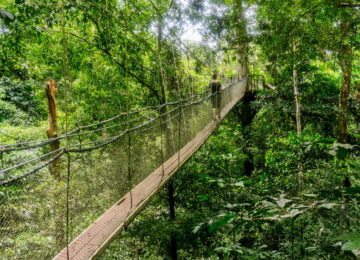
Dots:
{"x": 105, "y": 141}
{"x": 16, "y": 178}
{"x": 67, "y": 203}
{"x": 27, "y": 144}
{"x": 13, "y": 147}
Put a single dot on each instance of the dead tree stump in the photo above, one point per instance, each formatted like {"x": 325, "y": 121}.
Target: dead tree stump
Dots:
{"x": 54, "y": 167}
{"x": 52, "y": 130}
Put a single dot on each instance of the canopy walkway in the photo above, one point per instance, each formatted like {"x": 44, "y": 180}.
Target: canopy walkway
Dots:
{"x": 103, "y": 183}
{"x": 90, "y": 243}
{"x": 68, "y": 196}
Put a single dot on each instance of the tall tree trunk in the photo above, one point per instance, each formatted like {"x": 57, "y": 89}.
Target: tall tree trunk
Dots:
{"x": 357, "y": 100}
{"x": 168, "y": 147}
{"x": 173, "y": 242}
{"x": 159, "y": 47}
{"x": 51, "y": 132}
{"x": 243, "y": 44}
{"x": 298, "y": 112}
{"x": 345, "y": 60}
{"x": 243, "y": 63}
{"x": 54, "y": 168}
{"x": 296, "y": 93}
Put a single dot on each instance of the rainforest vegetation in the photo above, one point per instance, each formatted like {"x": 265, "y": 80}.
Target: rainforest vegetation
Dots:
{"x": 278, "y": 179}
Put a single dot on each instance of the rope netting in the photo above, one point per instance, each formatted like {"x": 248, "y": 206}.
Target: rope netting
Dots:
{"x": 42, "y": 210}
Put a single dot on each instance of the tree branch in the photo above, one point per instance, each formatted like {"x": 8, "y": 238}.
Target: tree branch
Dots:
{"x": 107, "y": 52}
{"x": 301, "y": 15}
{"x": 349, "y": 5}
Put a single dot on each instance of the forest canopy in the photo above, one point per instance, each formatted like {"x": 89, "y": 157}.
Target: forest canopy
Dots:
{"x": 278, "y": 179}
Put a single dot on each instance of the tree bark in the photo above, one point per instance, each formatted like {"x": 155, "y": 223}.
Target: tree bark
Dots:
{"x": 173, "y": 242}
{"x": 51, "y": 132}
{"x": 242, "y": 39}
{"x": 357, "y": 100}
{"x": 296, "y": 93}
{"x": 243, "y": 64}
{"x": 345, "y": 60}
{"x": 168, "y": 147}
{"x": 159, "y": 47}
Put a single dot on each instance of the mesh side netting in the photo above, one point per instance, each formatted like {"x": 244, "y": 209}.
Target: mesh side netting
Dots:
{"x": 40, "y": 212}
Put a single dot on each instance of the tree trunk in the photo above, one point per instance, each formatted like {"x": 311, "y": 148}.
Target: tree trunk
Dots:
{"x": 357, "y": 100}
{"x": 52, "y": 130}
{"x": 242, "y": 39}
{"x": 173, "y": 242}
{"x": 296, "y": 93}
{"x": 159, "y": 47}
{"x": 345, "y": 60}
{"x": 168, "y": 147}
{"x": 298, "y": 112}
{"x": 54, "y": 165}
{"x": 243, "y": 64}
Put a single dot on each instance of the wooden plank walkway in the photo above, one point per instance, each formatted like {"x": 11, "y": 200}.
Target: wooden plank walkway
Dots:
{"x": 98, "y": 235}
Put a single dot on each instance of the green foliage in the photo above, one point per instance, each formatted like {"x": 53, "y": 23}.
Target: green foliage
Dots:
{"x": 287, "y": 204}
{"x": 18, "y": 100}
{"x": 351, "y": 242}
{"x": 223, "y": 220}
{"x": 266, "y": 215}
{"x": 8, "y": 112}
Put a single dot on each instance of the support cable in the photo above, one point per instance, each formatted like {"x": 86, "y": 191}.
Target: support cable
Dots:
{"x": 113, "y": 138}
{"x": 106, "y": 141}
{"x": 127, "y": 28}
{"x": 28, "y": 144}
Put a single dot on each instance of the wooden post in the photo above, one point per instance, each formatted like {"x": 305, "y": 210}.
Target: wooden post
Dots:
{"x": 52, "y": 132}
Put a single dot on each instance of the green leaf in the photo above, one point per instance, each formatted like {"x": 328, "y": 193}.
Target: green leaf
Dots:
{"x": 221, "y": 222}
{"x": 197, "y": 228}
{"x": 348, "y": 236}
{"x": 204, "y": 197}
{"x": 239, "y": 184}
{"x": 5, "y": 14}
{"x": 310, "y": 195}
{"x": 228, "y": 2}
{"x": 268, "y": 204}
{"x": 328, "y": 205}
{"x": 282, "y": 201}
{"x": 351, "y": 245}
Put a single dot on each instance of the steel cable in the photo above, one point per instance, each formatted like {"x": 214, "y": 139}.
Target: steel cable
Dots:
{"x": 107, "y": 141}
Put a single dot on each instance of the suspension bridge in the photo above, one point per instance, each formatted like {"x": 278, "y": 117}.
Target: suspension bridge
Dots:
{"x": 68, "y": 196}
{"x": 70, "y": 217}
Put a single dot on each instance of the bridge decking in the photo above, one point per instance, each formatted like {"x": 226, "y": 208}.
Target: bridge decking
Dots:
{"x": 98, "y": 235}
